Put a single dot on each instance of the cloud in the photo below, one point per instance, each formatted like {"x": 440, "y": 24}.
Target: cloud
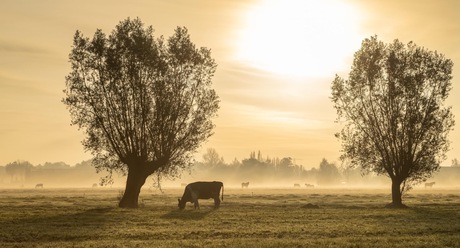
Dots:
{"x": 13, "y": 87}
{"x": 11, "y": 47}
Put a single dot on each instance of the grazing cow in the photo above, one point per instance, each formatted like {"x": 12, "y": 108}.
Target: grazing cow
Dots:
{"x": 39, "y": 185}
{"x": 309, "y": 185}
{"x": 201, "y": 190}
{"x": 296, "y": 185}
{"x": 245, "y": 185}
{"x": 429, "y": 184}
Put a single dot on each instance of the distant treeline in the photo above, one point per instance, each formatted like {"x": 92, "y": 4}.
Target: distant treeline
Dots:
{"x": 59, "y": 174}
{"x": 256, "y": 169}
{"x": 265, "y": 170}
{"x": 284, "y": 172}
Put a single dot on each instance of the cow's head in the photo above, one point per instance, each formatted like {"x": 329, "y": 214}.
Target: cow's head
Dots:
{"x": 181, "y": 204}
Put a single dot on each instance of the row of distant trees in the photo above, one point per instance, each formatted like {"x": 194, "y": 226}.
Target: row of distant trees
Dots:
{"x": 212, "y": 166}
{"x": 23, "y": 173}
{"x": 261, "y": 169}
{"x": 256, "y": 168}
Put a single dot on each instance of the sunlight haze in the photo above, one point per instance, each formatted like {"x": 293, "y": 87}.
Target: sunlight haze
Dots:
{"x": 276, "y": 61}
{"x": 299, "y": 38}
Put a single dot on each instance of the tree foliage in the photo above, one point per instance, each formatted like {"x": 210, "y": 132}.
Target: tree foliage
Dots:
{"x": 328, "y": 173}
{"x": 392, "y": 107}
{"x": 211, "y": 158}
{"x": 18, "y": 170}
{"x": 145, "y": 104}
{"x": 455, "y": 163}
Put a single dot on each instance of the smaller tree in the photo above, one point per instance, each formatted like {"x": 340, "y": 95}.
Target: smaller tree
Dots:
{"x": 211, "y": 158}
{"x": 328, "y": 173}
{"x": 18, "y": 170}
{"x": 235, "y": 163}
{"x": 455, "y": 163}
{"x": 285, "y": 162}
{"x": 392, "y": 106}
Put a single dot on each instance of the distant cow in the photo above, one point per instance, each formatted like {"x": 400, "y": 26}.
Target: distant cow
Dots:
{"x": 245, "y": 185}
{"x": 296, "y": 185}
{"x": 39, "y": 185}
{"x": 94, "y": 185}
{"x": 429, "y": 184}
{"x": 309, "y": 185}
{"x": 201, "y": 190}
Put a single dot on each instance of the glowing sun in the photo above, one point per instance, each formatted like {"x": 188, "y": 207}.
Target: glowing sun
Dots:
{"x": 299, "y": 37}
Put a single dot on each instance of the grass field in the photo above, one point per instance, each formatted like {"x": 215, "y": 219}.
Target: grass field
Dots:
{"x": 247, "y": 218}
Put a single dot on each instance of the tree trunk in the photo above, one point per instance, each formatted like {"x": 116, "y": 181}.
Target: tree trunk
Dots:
{"x": 396, "y": 192}
{"x": 134, "y": 182}
{"x": 396, "y": 195}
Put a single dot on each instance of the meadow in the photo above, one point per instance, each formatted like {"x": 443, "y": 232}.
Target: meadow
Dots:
{"x": 258, "y": 217}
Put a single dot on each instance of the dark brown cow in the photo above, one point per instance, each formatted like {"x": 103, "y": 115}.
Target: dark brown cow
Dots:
{"x": 245, "y": 185}
{"x": 201, "y": 190}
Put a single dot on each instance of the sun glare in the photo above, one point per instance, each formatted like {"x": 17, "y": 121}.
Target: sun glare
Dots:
{"x": 299, "y": 37}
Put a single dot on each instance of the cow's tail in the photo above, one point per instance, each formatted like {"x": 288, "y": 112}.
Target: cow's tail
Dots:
{"x": 222, "y": 191}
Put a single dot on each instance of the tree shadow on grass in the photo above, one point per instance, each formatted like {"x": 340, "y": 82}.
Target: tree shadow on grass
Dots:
{"x": 79, "y": 226}
{"x": 439, "y": 212}
{"x": 187, "y": 214}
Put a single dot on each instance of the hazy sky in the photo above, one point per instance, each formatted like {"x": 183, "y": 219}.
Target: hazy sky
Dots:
{"x": 276, "y": 61}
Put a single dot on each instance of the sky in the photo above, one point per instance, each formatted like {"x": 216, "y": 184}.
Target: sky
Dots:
{"x": 276, "y": 61}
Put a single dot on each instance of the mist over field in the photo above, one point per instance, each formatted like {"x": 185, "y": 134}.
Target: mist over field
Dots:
{"x": 260, "y": 173}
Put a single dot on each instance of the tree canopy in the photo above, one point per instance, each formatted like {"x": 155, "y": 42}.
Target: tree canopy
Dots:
{"x": 145, "y": 103}
{"x": 392, "y": 108}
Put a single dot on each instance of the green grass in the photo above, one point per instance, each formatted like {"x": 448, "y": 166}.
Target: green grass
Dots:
{"x": 247, "y": 218}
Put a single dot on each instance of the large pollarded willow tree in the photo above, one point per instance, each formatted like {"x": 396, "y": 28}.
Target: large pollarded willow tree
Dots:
{"x": 393, "y": 109}
{"x": 145, "y": 104}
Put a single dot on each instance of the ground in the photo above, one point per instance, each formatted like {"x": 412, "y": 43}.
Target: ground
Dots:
{"x": 259, "y": 217}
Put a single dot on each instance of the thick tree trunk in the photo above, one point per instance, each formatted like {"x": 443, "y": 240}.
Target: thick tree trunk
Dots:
{"x": 396, "y": 193}
{"x": 396, "y": 196}
{"x": 134, "y": 182}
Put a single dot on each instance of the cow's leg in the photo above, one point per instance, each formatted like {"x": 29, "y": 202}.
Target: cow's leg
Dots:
{"x": 216, "y": 202}
{"x": 195, "y": 196}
